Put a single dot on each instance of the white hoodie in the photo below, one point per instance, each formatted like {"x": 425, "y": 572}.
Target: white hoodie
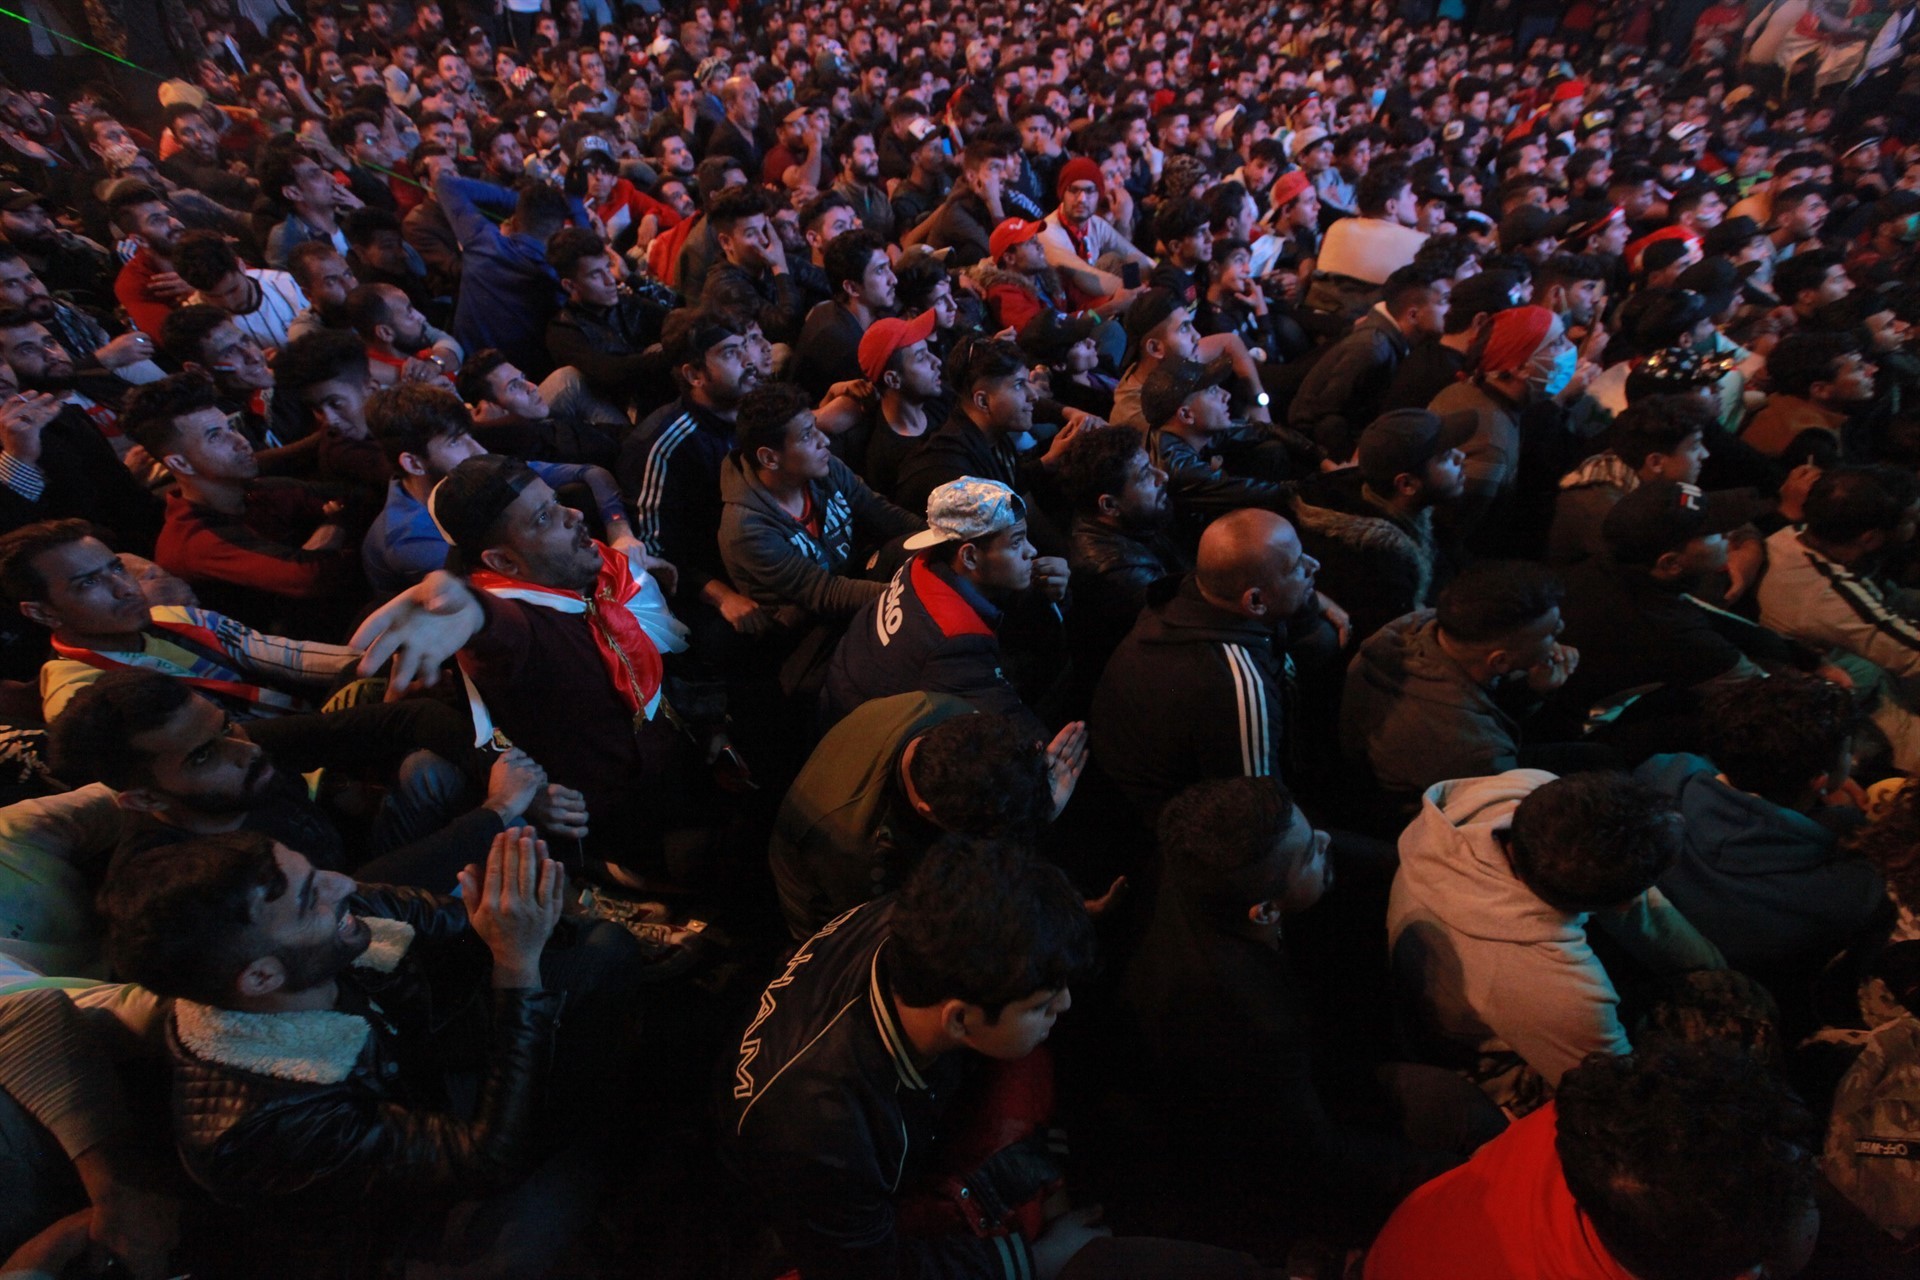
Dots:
{"x": 1490, "y": 965}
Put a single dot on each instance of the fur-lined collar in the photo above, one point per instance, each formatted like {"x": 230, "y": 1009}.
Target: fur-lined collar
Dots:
{"x": 318, "y": 1046}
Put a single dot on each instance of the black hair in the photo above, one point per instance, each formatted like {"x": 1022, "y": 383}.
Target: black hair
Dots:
{"x": 1847, "y": 502}
{"x": 1382, "y": 183}
{"x": 151, "y": 411}
{"x": 1689, "y": 1160}
{"x": 978, "y": 359}
{"x": 1802, "y": 359}
{"x": 408, "y": 416}
{"x": 369, "y": 306}
{"x": 321, "y": 356}
{"x": 1217, "y": 841}
{"x": 1409, "y": 286}
{"x": 539, "y": 209}
{"x": 1659, "y": 425}
{"x": 179, "y": 916}
{"x": 1803, "y": 271}
{"x": 184, "y": 329}
{"x": 1098, "y": 463}
{"x": 471, "y": 381}
{"x": 1179, "y": 218}
{"x": 761, "y": 421}
{"x": 570, "y": 246}
{"x": 688, "y": 333}
{"x": 19, "y": 580}
{"x": 984, "y": 922}
{"x": 734, "y": 205}
{"x": 1491, "y": 599}
{"x": 983, "y": 774}
{"x": 847, "y": 257}
{"x": 915, "y": 279}
{"x": 90, "y": 740}
{"x": 205, "y": 258}
{"x": 1774, "y": 735}
{"x": 1592, "y": 841}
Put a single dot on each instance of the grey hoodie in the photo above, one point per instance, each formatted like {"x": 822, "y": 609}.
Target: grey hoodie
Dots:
{"x": 1490, "y": 967}
{"x": 1416, "y": 716}
{"x": 774, "y": 559}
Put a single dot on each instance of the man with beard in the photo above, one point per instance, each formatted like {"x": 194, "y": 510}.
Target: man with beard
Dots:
{"x": 1077, "y": 239}
{"x": 565, "y": 642}
{"x": 73, "y": 265}
{"x": 326, "y": 278}
{"x": 262, "y": 544}
{"x": 182, "y": 766}
{"x": 198, "y": 162}
{"x": 425, "y": 433}
{"x": 262, "y": 302}
{"x": 672, "y": 462}
{"x": 401, "y": 345}
{"x": 302, "y": 1003}
{"x": 40, "y": 363}
{"x": 859, "y": 177}
{"x": 129, "y": 356}
{"x": 148, "y": 286}
{"x": 864, "y": 290}
{"x": 1119, "y": 545}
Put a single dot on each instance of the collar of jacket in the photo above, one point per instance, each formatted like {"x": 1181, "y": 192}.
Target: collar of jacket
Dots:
{"x": 880, "y": 1002}
{"x": 1184, "y": 616}
{"x": 316, "y": 1046}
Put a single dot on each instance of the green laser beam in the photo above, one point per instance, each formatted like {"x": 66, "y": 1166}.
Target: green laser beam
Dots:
{"x": 90, "y": 48}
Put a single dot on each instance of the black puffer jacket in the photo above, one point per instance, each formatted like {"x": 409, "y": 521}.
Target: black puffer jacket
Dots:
{"x": 336, "y": 1121}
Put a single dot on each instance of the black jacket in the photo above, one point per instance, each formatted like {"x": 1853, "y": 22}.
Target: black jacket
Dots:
{"x": 1377, "y": 565}
{"x": 1112, "y": 569}
{"x": 1202, "y": 489}
{"x": 827, "y": 1118}
{"x": 1226, "y": 1049}
{"x": 1193, "y": 692}
{"x": 84, "y": 479}
{"x": 959, "y": 448}
{"x": 611, "y": 346}
{"x": 343, "y": 1148}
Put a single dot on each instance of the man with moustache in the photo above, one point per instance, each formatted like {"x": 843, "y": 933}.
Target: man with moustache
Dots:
{"x": 129, "y": 356}
{"x": 71, "y": 265}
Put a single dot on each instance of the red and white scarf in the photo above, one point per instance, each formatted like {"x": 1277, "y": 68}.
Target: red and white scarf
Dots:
{"x": 632, "y": 626}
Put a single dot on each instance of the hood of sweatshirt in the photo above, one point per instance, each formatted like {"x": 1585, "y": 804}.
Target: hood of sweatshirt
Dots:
{"x": 1453, "y": 864}
{"x": 1736, "y": 831}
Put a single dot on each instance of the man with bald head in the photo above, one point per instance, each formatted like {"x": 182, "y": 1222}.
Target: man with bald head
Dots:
{"x": 1200, "y": 687}
{"x": 736, "y": 134}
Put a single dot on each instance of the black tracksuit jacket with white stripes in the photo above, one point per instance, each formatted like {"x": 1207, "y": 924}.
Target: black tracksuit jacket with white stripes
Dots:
{"x": 1193, "y": 692}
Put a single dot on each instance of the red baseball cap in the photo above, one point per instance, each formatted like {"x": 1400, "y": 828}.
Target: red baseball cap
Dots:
{"x": 886, "y": 336}
{"x": 1287, "y": 188}
{"x": 1011, "y": 232}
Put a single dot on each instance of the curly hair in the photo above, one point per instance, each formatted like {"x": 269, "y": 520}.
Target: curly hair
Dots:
{"x": 986, "y": 922}
{"x": 1098, "y": 463}
{"x": 1217, "y": 840}
{"x": 1659, "y": 425}
{"x": 761, "y": 422}
{"x": 179, "y": 917}
{"x": 1690, "y": 1160}
{"x": 1773, "y": 736}
{"x": 983, "y": 775}
{"x": 1593, "y": 840}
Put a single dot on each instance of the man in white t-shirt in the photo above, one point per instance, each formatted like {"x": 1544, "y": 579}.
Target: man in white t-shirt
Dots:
{"x": 1382, "y": 239}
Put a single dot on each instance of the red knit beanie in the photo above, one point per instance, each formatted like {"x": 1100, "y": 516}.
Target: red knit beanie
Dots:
{"x": 1516, "y": 335}
{"x": 1078, "y": 169}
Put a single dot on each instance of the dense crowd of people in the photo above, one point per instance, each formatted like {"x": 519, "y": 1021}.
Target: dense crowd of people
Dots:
{"x": 924, "y": 639}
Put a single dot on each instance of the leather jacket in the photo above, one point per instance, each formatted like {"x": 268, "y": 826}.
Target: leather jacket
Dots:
{"x": 336, "y": 1122}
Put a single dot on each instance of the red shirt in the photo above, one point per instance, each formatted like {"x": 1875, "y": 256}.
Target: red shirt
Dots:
{"x": 1504, "y": 1215}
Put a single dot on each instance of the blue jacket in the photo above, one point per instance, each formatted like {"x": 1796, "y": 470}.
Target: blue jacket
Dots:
{"x": 1768, "y": 886}
{"x": 507, "y": 290}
